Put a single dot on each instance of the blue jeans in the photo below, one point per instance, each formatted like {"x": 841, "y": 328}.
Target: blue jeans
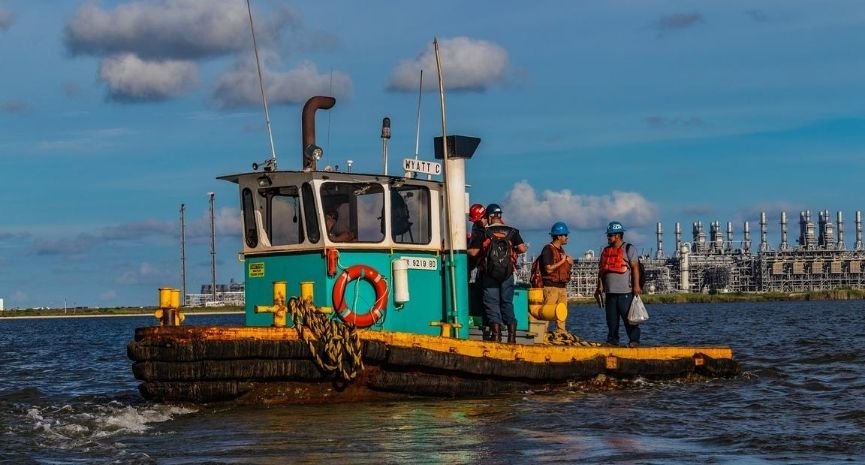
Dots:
{"x": 499, "y": 300}
{"x": 617, "y": 307}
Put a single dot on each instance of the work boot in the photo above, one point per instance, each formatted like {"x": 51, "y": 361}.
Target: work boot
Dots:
{"x": 512, "y": 333}
{"x": 496, "y": 332}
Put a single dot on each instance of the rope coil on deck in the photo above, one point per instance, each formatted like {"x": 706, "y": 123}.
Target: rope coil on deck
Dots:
{"x": 568, "y": 339}
{"x": 343, "y": 349}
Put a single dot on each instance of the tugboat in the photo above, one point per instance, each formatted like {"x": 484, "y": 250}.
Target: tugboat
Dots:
{"x": 357, "y": 288}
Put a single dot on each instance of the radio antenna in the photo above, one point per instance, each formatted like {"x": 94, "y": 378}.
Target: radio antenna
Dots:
{"x": 269, "y": 165}
{"x": 417, "y": 131}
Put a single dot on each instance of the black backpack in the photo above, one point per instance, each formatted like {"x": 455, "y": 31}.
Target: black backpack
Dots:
{"x": 497, "y": 262}
{"x": 640, "y": 265}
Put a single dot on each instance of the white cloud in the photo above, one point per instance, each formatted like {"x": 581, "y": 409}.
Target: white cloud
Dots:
{"x": 226, "y": 220}
{"x": 130, "y": 78}
{"x": 239, "y": 87}
{"x": 146, "y": 273}
{"x": 108, "y": 295}
{"x": 529, "y": 211}
{"x": 86, "y": 141}
{"x": 6, "y": 19}
{"x": 169, "y": 29}
{"x": 468, "y": 64}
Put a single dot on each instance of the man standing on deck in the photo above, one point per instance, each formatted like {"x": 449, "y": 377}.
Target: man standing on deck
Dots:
{"x": 619, "y": 278}
{"x": 497, "y": 249}
{"x": 556, "y": 270}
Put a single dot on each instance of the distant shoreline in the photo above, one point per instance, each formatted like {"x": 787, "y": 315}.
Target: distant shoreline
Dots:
{"x": 833, "y": 294}
{"x": 107, "y": 312}
{"x": 105, "y": 315}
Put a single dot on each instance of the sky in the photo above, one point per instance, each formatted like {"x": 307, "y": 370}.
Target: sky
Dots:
{"x": 113, "y": 114}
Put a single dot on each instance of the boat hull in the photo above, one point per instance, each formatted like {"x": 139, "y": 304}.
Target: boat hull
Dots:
{"x": 273, "y": 365}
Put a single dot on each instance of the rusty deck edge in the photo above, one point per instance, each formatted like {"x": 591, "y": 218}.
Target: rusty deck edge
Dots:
{"x": 538, "y": 353}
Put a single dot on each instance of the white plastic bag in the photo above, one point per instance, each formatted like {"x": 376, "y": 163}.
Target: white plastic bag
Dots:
{"x": 637, "y": 313}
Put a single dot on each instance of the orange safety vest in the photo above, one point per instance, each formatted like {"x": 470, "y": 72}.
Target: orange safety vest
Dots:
{"x": 613, "y": 260}
{"x": 560, "y": 275}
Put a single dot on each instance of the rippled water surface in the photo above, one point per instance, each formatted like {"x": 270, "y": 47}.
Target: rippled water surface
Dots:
{"x": 67, "y": 396}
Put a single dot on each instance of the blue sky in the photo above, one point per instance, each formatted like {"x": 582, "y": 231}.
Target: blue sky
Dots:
{"x": 112, "y": 114}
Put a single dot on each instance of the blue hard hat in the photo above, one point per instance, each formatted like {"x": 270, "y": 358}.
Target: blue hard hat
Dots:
{"x": 559, "y": 229}
{"x": 494, "y": 209}
{"x": 615, "y": 228}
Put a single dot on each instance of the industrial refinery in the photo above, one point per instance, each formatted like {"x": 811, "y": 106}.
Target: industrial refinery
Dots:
{"x": 818, "y": 260}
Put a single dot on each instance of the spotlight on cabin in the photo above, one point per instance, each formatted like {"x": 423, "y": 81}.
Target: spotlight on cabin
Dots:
{"x": 311, "y": 154}
{"x": 264, "y": 181}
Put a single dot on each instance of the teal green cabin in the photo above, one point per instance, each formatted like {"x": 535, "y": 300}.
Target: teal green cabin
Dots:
{"x": 292, "y": 221}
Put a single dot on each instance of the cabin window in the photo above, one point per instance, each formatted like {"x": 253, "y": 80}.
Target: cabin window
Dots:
{"x": 250, "y": 229}
{"x": 410, "y": 215}
{"x": 283, "y": 215}
{"x": 313, "y": 232}
{"x": 353, "y": 211}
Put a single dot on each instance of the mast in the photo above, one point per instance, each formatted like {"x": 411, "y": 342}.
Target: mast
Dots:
{"x": 182, "y": 255}
{"x": 212, "y": 251}
{"x": 456, "y": 236}
{"x": 269, "y": 165}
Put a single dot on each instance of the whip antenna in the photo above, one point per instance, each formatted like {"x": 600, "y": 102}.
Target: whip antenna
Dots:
{"x": 417, "y": 131}
{"x": 269, "y": 165}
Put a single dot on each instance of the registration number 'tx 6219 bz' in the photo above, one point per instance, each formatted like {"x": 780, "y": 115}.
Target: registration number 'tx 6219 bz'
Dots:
{"x": 422, "y": 263}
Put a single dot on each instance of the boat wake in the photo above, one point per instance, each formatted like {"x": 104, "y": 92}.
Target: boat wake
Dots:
{"x": 94, "y": 428}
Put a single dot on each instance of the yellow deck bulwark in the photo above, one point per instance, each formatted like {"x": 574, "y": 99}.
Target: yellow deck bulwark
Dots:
{"x": 537, "y": 353}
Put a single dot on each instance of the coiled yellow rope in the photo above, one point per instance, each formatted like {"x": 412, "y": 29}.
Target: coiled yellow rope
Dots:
{"x": 343, "y": 349}
{"x": 568, "y": 339}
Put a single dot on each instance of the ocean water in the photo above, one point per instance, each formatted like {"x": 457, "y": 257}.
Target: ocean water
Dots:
{"x": 67, "y": 396}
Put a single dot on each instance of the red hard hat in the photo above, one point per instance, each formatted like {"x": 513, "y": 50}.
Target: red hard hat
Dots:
{"x": 476, "y": 212}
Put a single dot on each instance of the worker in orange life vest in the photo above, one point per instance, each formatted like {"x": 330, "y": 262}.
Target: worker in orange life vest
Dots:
{"x": 556, "y": 269}
{"x": 619, "y": 279}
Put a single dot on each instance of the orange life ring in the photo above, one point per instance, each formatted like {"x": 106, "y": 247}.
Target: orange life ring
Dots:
{"x": 378, "y": 283}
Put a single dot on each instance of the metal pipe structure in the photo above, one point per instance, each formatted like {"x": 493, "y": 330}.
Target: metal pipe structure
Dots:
{"x": 385, "y": 138}
{"x": 802, "y": 228}
{"x": 821, "y": 228}
{"x": 810, "y": 236}
{"x": 729, "y": 245}
{"x": 784, "y": 245}
{"x": 684, "y": 268}
{"x": 828, "y": 231}
{"x": 840, "y": 220}
{"x": 764, "y": 233}
{"x": 746, "y": 238}
{"x": 678, "y": 234}
{"x": 312, "y": 153}
{"x": 858, "y": 245}
{"x": 660, "y": 234}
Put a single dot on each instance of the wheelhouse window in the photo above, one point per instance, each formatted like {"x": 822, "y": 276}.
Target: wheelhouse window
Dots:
{"x": 313, "y": 232}
{"x": 283, "y": 221}
{"x": 353, "y": 211}
{"x": 250, "y": 229}
{"x": 410, "y": 215}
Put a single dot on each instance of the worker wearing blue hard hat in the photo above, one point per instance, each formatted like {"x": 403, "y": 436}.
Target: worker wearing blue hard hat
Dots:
{"x": 555, "y": 268}
{"x": 618, "y": 283}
